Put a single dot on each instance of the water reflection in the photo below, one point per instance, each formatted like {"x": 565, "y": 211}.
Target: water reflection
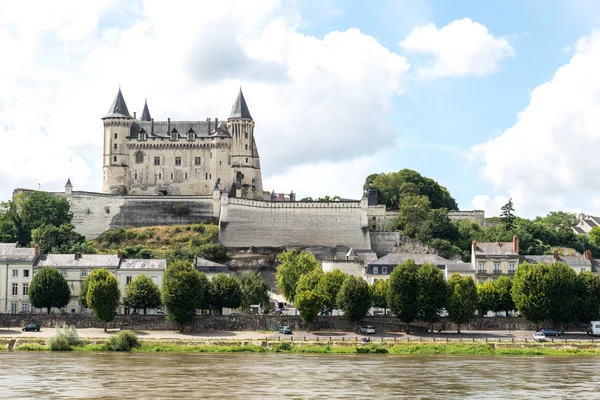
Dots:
{"x": 268, "y": 376}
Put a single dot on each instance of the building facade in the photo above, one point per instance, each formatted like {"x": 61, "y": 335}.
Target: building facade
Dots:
{"x": 493, "y": 259}
{"x": 16, "y": 270}
{"x": 144, "y": 156}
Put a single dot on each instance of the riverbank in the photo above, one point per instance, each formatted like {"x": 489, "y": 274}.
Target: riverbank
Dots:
{"x": 325, "y": 347}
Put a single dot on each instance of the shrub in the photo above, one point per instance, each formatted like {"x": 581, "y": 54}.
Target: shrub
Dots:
{"x": 283, "y": 346}
{"x": 64, "y": 338}
{"x": 213, "y": 251}
{"x": 123, "y": 341}
{"x": 198, "y": 228}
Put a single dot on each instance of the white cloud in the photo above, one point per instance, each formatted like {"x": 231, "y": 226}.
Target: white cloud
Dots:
{"x": 548, "y": 159}
{"x": 313, "y": 99}
{"x": 461, "y": 48}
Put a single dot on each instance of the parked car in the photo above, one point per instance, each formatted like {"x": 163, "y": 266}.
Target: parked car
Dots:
{"x": 369, "y": 329}
{"x": 549, "y": 332}
{"x": 539, "y": 337}
{"x": 31, "y": 327}
{"x": 286, "y": 330}
{"x": 160, "y": 312}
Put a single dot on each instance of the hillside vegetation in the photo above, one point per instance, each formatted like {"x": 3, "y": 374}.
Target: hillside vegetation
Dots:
{"x": 170, "y": 242}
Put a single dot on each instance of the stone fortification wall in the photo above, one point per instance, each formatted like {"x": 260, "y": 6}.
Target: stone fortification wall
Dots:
{"x": 477, "y": 216}
{"x": 246, "y": 223}
{"x": 395, "y": 242}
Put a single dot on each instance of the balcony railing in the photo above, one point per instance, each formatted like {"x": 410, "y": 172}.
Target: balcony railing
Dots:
{"x": 497, "y": 272}
{"x": 511, "y": 272}
{"x": 482, "y": 272}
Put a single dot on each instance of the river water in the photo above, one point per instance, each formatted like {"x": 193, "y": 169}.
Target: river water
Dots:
{"x": 41, "y": 375}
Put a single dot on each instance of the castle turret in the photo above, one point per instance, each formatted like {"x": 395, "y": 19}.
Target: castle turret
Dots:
{"x": 245, "y": 161}
{"x": 146, "y": 113}
{"x": 117, "y": 127}
{"x": 68, "y": 188}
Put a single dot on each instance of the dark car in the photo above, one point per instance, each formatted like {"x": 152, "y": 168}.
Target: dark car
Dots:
{"x": 286, "y": 330}
{"x": 31, "y": 327}
{"x": 549, "y": 332}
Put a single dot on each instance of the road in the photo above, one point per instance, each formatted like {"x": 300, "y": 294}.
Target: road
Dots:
{"x": 95, "y": 333}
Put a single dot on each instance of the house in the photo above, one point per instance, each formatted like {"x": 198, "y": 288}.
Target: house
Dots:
{"x": 579, "y": 264}
{"x": 16, "y": 270}
{"x": 492, "y": 259}
{"x": 585, "y": 224}
{"x": 351, "y": 262}
{"x": 75, "y": 268}
{"x": 129, "y": 269}
{"x": 383, "y": 267}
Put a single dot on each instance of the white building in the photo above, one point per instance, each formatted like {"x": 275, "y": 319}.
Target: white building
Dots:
{"x": 16, "y": 270}
{"x": 129, "y": 269}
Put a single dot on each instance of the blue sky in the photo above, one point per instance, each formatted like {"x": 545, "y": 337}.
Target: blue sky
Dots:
{"x": 492, "y": 99}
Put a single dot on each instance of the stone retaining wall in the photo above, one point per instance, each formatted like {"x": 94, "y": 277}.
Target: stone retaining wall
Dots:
{"x": 260, "y": 323}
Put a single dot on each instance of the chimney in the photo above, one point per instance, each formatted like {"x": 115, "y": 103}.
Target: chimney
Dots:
{"x": 516, "y": 244}
{"x": 292, "y": 196}
{"x": 216, "y": 123}
{"x": 208, "y": 120}
{"x": 556, "y": 256}
{"x": 119, "y": 253}
{"x": 134, "y": 115}
{"x": 168, "y": 126}
{"x": 78, "y": 256}
{"x": 37, "y": 250}
{"x": 588, "y": 255}
{"x": 282, "y": 196}
{"x": 152, "y": 127}
{"x": 474, "y": 246}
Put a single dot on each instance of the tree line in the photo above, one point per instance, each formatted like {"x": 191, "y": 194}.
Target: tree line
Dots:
{"x": 184, "y": 291}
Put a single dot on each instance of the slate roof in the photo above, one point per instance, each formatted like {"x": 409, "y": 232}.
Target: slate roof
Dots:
{"x": 11, "y": 252}
{"x": 118, "y": 108}
{"x": 161, "y": 128}
{"x": 131, "y": 263}
{"x": 419, "y": 259}
{"x": 494, "y": 248}
{"x": 204, "y": 265}
{"x": 146, "y": 112}
{"x": 571, "y": 261}
{"x": 86, "y": 261}
{"x": 460, "y": 267}
{"x": 240, "y": 108}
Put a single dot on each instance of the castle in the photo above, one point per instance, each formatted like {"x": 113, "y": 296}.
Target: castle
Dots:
{"x": 144, "y": 156}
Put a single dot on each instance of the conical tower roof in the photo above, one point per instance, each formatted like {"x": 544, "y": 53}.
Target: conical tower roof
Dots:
{"x": 146, "y": 112}
{"x": 118, "y": 109}
{"x": 240, "y": 108}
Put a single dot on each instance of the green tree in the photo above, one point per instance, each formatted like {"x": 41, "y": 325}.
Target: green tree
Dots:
{"x": 562, "y": 290}
{"x": 594, "y": 235}
{"x": 354, "y": 298}
{"x": 8, "y": 232}
{"x": 329, "y": 286}
{"x": 391, "y": 187}
{"x": 589, "y": 299}
{"x": 182, "y": 292}
{"x": 292, "y": 265}
{"x": 83, "y": 289}
{"x": 403, "y": 292}
{"x": 503, "y": 286}
{"x": 254, "y": 290}
{"x": 59, "y": 239}
{"x": 309, "y": 303}
{"x": 529, "y": 291}
{"x": 34, "y": 209}
{"x": 507, "y": 215}
{"x": 309, "y": 280}
{"x": 225, "y": 291}
{"x": 212, "y": 251}
{"x": 432, "y": 295}
{"x": 103, "y": 295}
{"x": 462, "y": 299}
{"x": 379, "y": 291}
{"x": 142, "y": 293}
{"x": 413, "y": 217}
{"x": 487, "y": 297}
{"x": 49, "y": 289}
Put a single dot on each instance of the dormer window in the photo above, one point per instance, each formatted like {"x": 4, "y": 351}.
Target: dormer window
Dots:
{"x": 190, "y": 137}
{"x": 142, "y": 135}
{"x": 174, "y": 137}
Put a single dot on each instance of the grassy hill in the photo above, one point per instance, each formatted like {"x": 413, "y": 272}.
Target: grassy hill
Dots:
{"x": 170, "y": 242}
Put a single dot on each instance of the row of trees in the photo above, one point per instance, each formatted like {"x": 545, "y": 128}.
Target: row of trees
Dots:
{"x": 184, "y": 291}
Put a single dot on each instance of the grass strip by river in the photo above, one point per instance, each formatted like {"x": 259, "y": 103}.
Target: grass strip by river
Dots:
{"x": 327, "y": 347}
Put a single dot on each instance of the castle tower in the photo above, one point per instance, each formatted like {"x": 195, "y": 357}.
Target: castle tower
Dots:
{"x": 245, "y": 161}
{"x": 117, "y": 126}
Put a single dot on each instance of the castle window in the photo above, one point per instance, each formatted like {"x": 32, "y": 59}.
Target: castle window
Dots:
{"x": 177, "y": 160}
{"x": 171, "y": 176}
{"x": 115, "y": 159}
{"x": 246, "y": 160}
{"x": 196, "y": 160}
{"x": 246, "y": 147}
{"x": 159, "y": 175}
{"x": 115, "y": 135}
{"x": 142, "y": 136}
{"x": 156, "y": 160}
{"x": 135, "y": 176}
{"x": 219, "y": 162}
{"x": 190, "y": 137}
{"x": 174, "y": 136}
{"x": 185, "y": 176}
{"x": 246, "y": 135}
{"x": 115, "y": 146}
{"x": 139, "y": 157}
{"x": 206, "y": 176}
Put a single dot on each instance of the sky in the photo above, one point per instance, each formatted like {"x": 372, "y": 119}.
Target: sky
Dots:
{"x": 494, "y": 100}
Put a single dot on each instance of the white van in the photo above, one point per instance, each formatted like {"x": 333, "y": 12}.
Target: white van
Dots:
{"x": 594, "y": 328}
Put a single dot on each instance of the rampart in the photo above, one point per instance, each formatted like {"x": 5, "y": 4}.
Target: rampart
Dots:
{"x": 395, "y": 242}
{"x": 477, "y": 216}
{"x": 246, "y": 223}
